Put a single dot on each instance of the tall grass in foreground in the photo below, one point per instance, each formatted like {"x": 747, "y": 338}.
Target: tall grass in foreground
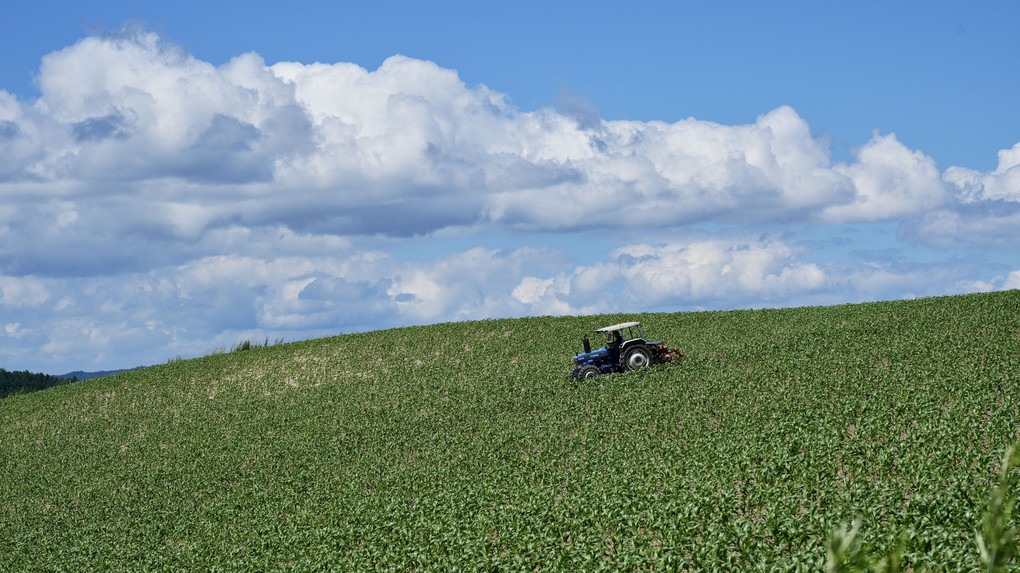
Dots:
{"x": 996, "y": 539}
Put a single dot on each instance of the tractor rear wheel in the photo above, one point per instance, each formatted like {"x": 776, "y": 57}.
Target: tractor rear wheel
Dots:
{"x": 637, "y": 357}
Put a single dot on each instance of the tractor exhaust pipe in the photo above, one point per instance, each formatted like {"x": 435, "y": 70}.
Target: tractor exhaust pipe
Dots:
{"x": 587, "y": 345}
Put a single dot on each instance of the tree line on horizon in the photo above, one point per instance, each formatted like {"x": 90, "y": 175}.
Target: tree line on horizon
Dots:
{"x": 24, "y": 381}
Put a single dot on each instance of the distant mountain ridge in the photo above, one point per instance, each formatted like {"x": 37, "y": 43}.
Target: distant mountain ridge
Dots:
{"x": 25, "y": 381}
{"x": 82, "y": 375}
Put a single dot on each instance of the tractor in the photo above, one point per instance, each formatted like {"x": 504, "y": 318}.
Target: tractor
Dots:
{"x": 626, "y": 349}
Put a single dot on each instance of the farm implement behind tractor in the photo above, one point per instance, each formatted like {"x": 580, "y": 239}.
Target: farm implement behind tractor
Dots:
{"x": 626, "y": 349}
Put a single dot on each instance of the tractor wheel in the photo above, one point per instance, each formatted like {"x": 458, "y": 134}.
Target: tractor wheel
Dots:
{"x": 637, "y": 357}
{"x": 587, "y": 372}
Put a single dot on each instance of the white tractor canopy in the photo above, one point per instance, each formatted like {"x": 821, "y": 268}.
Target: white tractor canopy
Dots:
{"x": 620, "y": 326}
{"x": 627, "y": 330}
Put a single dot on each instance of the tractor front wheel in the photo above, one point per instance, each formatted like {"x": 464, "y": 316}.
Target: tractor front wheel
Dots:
{"x": 587, "y": 372}
{"x": 637, "y": 357}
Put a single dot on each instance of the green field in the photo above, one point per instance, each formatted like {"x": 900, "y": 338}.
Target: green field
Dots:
{"x": 465, "y": 446}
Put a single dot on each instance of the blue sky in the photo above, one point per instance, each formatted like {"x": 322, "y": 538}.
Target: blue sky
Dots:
{"x": 177, "y": 177}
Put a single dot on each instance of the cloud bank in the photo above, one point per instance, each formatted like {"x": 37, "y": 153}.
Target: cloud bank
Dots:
{"x": 156, "y": 202}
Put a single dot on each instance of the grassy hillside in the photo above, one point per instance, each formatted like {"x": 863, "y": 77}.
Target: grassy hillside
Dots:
{"x": 465, "y": 444}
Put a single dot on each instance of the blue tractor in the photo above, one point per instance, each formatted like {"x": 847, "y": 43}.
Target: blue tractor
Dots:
{"x": 626, "y": 349}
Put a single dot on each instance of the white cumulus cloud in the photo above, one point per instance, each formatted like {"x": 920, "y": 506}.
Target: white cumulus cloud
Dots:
{"x": 409, "y": 149}
{"x": 699, "y": 273}
{"x": 1002, "y": 184}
